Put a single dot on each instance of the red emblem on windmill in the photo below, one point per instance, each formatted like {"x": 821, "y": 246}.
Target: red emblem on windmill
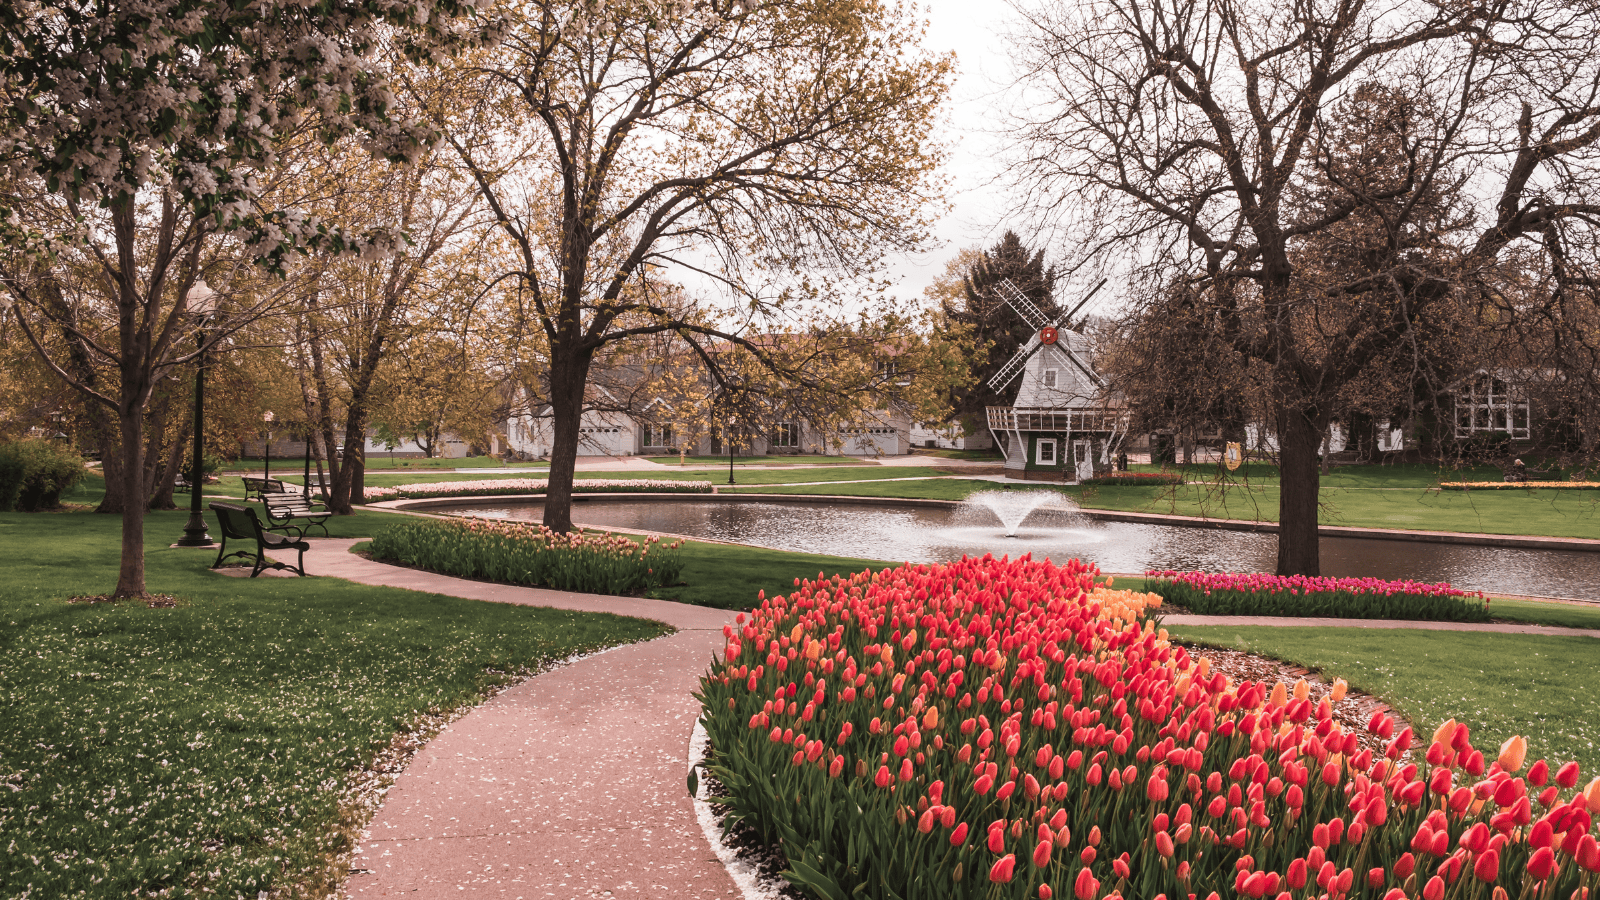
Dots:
{"x": 1048, "y": 334}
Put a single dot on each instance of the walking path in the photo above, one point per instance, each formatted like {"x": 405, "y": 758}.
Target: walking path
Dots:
{"x": 572, "y": 783}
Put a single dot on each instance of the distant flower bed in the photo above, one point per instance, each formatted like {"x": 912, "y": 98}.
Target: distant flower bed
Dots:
{"x": 504, "y": 486}
{"x": 523, "y": 553}
{"x": 1500, "y": 485}
{"x": 1342, "y": 598}
{"x": 1136, "y": 478}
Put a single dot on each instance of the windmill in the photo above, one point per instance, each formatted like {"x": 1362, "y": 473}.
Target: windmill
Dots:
{"x": 1060, "y": 418}
{"x": 1046, "y": 332}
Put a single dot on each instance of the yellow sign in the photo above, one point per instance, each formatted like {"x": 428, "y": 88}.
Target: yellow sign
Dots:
{"x": 1234, "y": 455}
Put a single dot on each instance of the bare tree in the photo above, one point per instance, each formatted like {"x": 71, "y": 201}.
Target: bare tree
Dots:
{"x": 739, "y": 140}
{"x": 1199, "y": 137}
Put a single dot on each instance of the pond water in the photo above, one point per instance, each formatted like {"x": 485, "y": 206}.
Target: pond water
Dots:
{"x": 923, "y": 534}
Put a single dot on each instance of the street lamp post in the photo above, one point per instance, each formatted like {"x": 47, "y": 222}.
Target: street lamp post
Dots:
{"x": 266, "y": 445}
{"x": 202, "y": 301}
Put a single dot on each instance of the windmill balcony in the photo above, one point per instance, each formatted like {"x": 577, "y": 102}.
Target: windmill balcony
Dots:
{"x": 1010, "y": 418}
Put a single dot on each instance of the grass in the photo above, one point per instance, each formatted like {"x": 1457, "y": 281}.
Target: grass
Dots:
{"x": 796, "y": 460}
{"x": 920, "y": 489}
{"x": 986, "y": 455}
{"x": 295, "y": 465}
{"x": 728, "y": 576}
{"x": 715, "y": 476}
{"x": 1499, "y": 684}
{"x": 203, "y": 748}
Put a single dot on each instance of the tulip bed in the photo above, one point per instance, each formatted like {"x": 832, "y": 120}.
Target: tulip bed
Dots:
{"x": 1226, "y": 594}
{"x": 530, "y": 554}
{"x": 1008, "y": 729}
{"x": 505, "y": 486}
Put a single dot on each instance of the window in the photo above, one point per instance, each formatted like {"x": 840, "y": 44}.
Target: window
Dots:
{"x": 658, "y": 436}
{"x": 1486, "y": 404}
{"x": 1049, "y": 378}
{"x": 786, "y": 434}
{"x": 1047, "y": 452}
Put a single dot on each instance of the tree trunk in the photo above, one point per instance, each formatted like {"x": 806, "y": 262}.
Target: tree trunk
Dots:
{"x": 1299, "y": 438}
{"x": 1363, "y": 437}
{"x": 567, "y": 380}
{"x": 130, "y": 577}
{"x": 161, "y": 493}
{"x": 110, "y": 461}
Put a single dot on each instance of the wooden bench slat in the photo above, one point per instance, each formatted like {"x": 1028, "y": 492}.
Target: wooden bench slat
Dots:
{"x": 286, "y": 511}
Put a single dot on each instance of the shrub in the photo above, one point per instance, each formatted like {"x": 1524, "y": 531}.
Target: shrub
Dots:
{"x": 504, "y": 486}
{"x": 1297, "y": 595}
{"x": 33, "y": 473}
{"x": 1004, "y": 729}
{"x": 1126, "y": 478}
{"x": 522, "y": 553}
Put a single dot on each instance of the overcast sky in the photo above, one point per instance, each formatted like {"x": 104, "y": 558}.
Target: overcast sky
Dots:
{"x": 978, "y": 216}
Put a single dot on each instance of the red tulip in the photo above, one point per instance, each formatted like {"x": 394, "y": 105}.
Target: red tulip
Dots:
{"x": 1041, "y": 854}
{"x": 1567, "y": 775}
{"x": 1003, "y": 867}
{"x": 1487, "y": 866}
{"x": 1542, "y": 863}
{"x": 1085, "y": 887}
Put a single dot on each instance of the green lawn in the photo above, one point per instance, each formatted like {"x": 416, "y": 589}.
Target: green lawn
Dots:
{"x": 796, "y": 460}
{"x": 719, "y": 477}
{"x": 1499, "y": 684}
{"x": 292, "y": 465}
{"x": 729, "y": 576}
{"x": 921, "y": 489}
{"x": 202, "y": 749}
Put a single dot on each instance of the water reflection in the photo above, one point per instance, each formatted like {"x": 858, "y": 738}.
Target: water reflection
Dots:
{"x": 930, "y": 535}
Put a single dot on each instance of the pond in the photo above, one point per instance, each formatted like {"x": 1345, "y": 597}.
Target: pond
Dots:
{"x": 888, "y": 531}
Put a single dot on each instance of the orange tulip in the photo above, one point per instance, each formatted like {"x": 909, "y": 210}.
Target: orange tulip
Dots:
{"x": 1445, "y": 732}
{"x": 1513, "y": 752}
{"x": 1340, "y": 687}
{"x": 1280, "y": 695}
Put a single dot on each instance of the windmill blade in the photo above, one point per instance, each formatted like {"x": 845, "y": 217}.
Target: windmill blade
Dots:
{"x": 1024, "y": 307}
{"x": 1063, "y": 320}
{"x": 1013, "y": 366}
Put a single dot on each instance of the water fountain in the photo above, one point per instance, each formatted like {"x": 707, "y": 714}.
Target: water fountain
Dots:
{"x": 1013, "y": 507}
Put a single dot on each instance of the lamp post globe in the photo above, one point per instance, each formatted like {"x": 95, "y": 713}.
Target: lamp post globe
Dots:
{"x": 202, "y": 301}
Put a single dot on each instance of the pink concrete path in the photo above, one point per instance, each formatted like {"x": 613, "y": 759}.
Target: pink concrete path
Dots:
{"x": 569, "y": 785}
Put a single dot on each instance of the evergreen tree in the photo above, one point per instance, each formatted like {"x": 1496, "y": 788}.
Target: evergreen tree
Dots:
{"x": 997, "y": 331}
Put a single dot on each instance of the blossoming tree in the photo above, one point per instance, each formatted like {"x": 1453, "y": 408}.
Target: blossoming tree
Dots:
{"x": 131, "y": 134}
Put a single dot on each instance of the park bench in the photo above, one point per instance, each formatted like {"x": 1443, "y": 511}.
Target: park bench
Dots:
{"x": 180, "y": 484}
{"x": 239, "y": 523}
{"x": 263, "y": 486}
{"x": 285, "y": 512}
